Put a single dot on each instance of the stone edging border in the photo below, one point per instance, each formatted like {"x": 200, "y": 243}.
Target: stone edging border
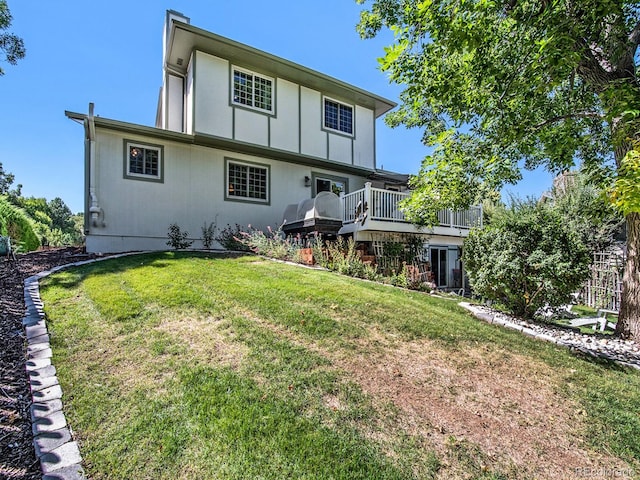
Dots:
{"x": 489, "y": 318}
{"x": 55, "y": 448}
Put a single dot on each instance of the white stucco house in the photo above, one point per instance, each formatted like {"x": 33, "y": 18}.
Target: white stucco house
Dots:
{"x": 245, "y": 137}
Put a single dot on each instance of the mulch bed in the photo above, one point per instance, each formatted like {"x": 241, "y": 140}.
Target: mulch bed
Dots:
{"x": 17, "y": 457}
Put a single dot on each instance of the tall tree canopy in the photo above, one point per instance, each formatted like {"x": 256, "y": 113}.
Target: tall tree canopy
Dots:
{"x": 11, "y": 45}
{"x": 499, "y": 85}
{"x": 6, "y": 180}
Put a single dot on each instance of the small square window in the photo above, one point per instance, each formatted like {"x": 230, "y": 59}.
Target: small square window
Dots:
{"x": 143, "y": 162}
{"x": 247, "y": 182}
{"x": 338, "y": 116}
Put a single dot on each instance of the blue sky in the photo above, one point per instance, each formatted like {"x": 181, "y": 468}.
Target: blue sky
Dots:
{"x": 110, "y": 53}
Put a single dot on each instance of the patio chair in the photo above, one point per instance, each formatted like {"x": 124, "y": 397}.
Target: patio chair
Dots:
{"x": 5, "y": 248}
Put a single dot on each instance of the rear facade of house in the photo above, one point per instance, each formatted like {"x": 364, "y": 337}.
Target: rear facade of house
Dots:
{"x": 244, "y": 137}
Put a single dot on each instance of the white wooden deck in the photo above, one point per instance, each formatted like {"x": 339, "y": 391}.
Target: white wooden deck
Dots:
{"x": 375, "y": 209}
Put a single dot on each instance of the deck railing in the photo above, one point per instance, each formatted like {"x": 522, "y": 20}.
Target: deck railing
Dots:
{"x": 379, "y": 204}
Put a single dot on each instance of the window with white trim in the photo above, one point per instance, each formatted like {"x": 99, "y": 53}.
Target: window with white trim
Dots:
{"x": 252, "y": 90}
{"x": 143, "y": 162}
{"x": 338, "y": 116}
{"x": 247, "y": 182}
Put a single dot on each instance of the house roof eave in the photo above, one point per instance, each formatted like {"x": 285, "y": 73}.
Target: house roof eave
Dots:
{"x": 185, "y": 38}
{"x": 201, "y": 139}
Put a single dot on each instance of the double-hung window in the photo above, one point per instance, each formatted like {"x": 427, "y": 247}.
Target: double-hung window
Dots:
{"x": 338, "y": 116}
{"x": 247, "y": 181}
{"x": 252, "y": 90}
{"x": 143, "y": 161}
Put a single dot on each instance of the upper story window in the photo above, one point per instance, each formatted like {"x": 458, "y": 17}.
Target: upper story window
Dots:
{"x": 338, "y": 116}
{"x": 247, "y": 181}
{"x": 252, "y": 90}
{"x": 143, "y": 161}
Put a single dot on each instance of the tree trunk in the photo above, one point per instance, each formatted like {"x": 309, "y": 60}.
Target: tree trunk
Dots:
{"x": 629, "y": 318}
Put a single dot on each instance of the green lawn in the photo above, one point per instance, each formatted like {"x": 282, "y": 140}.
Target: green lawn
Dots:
{"x": 193, "y": 366}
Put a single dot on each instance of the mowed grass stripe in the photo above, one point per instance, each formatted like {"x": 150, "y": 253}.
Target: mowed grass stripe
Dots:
{"x": 160, "y": 355}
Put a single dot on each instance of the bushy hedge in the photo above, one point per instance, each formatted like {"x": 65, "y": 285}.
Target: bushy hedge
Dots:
{"x": 17, "y": 225}
{"x": 527, "y": 257}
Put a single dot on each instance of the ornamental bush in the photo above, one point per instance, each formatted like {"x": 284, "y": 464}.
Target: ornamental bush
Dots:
{"x": 526, "y": 258}
{"x": 178, "y": 240}
{"x": 15, "y": 223}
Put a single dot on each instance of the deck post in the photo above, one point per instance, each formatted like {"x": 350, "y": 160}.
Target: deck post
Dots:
{"x": 367, "y": 197}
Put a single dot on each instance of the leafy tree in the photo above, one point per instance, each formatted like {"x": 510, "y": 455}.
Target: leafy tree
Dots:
{"x": 499, "y": 85}
{"x": 17, "y": 224}
{"x": 6, "y": 180}
{"x": 527, "y": 257}
{"x": 49, "y": 223}
{"x": 586, "y": 210}
{"x": 11, "y": 45}
{"x": 61, "y": 216}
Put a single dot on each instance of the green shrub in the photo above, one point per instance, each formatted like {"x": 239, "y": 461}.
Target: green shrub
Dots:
{"x": 208, "y": 234}
{"x": 231, "y": 238}
{"x": 15, "y": 223}
{"x": 528, "y": 257}
{"x": 177, "y": 238}
{"x": 341, "y": 256}
{"x": 273, "y": 244}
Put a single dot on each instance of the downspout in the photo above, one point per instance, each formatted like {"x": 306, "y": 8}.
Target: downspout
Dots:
{"x": 90, "y": 167}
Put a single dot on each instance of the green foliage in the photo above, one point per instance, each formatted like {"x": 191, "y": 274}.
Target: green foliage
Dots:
{"x": 230, "y": 238}
{"x": 626, "y": 192}
{"x": 10, "y": 44}
{"x": 208, "y": 234}
{"x": 272, "y": 243}
{"x": 15, "y": 223}
{"x": 397, "y": 254}
{"x": 526, "y": 258}
{"x": 6, "y": 180}
{"x": 500, "y": 84}
{"x": 60, "y": 214}
{"x": 178, "y": 239}
{"x": 55, "y": 224}
{"x": 341, "y": 256}
{"x": 52, "y": 222}
{"x": 587, "y": 211}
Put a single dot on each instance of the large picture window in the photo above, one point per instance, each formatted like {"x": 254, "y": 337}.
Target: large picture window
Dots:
{"x": 338, "y": 116}
{"x": 252, "y": 90}
{"x": 247, "y": 181}
{"x": 143, "y": 161}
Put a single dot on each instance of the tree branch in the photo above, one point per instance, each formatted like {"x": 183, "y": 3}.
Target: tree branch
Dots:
{"x": 634, "y": 37}
{"x": 559, "y": 118}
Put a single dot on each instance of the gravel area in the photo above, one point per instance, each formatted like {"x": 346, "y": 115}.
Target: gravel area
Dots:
{"x": 625, "y": 352}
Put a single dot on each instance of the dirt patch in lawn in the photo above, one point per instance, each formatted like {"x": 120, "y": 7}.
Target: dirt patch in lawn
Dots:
{"x": 502, "y": 409}
{"x": 205, "y": 340}
{"x": 502, "y": 403}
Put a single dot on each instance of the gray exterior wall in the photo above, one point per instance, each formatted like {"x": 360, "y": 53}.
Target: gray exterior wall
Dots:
{"x": 135, "y": 214}
{"x": 296, "y": 124}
